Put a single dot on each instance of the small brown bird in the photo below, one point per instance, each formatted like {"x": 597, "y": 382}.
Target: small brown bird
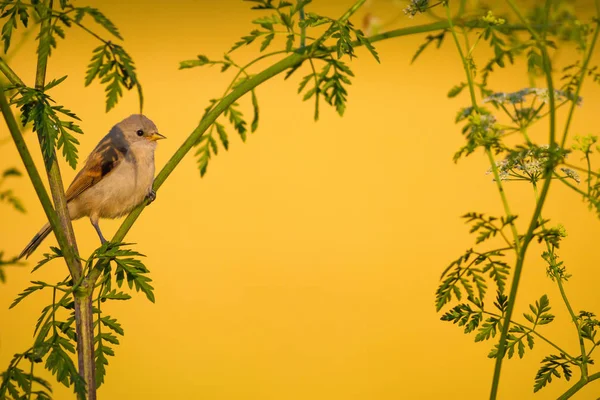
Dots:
{"x": 117, "y": 176}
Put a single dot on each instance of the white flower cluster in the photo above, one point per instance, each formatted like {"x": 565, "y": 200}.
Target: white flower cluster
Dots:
{"x": 519, "y": 96}
{"x": 528, "y": 165}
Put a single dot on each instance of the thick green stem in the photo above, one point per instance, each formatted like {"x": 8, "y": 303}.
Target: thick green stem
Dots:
{"x": 52, "y": 168}
{"x": 534, "y": 219}
{"x": 576, "y": 387}
{"x": 82, "y": 300}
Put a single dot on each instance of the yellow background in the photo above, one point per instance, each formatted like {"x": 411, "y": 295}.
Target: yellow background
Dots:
{"x": 304, "y": 265}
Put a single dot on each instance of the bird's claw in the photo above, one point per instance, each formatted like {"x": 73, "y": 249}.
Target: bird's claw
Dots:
{"x": 151, "y": 196}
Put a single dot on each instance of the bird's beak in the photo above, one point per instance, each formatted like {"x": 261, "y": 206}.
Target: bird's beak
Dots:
{"x": 156, "y": 136}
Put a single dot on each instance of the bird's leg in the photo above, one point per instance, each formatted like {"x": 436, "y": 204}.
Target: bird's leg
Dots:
{"x": 151, "y": 196}
{"x": 97, "y": 227}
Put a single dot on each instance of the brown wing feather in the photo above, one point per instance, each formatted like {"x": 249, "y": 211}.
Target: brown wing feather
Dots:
{"x": 101, "y": 162}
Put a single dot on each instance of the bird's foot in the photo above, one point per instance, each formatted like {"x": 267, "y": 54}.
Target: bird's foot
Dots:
{"x": 151, "y": 196}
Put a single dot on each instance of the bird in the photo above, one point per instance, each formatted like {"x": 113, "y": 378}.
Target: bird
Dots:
{"x": 116, "y": 177}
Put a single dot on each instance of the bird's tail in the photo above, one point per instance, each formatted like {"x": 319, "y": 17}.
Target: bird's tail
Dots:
{"x": 36, "y": 241}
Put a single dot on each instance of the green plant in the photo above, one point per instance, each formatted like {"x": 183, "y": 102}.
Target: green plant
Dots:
{"x": 468, "y": 278}
{"x": 74, "y": 322}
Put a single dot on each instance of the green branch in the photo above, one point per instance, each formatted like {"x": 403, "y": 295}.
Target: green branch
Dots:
{"x": 576, "y": 387}
{"x": 277, "y": 68}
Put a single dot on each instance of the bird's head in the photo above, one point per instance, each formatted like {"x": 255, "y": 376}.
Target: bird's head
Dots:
{"x": 140, "y": 130}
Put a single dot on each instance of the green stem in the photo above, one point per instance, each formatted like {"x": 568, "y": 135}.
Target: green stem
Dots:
{"x": 10, "y": 74}
{"x": 584, "y": 360}
{"x": 582, "y": 76}
{"x": 533, "y": 222}
{"x": 577, "y": 386}
{"x": 589, "y": 172}
{"x": 13, "y": 364}
{"x": 30, "y": 388}
{"x": 82, "y": 300}
{"x": 570, "y": 185}
{"x": 317, "y": 93}
{"x": 487, "y": 150}
{"x": 463, "y": 59}
{"x": 563, "y": 294}
{"x": 302, "y": 29}
{"x": 519, "y": 250}
{"x": 53, "y": 170}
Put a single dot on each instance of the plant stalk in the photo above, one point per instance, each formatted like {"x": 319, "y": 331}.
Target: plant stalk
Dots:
{"x": 82, "y": 299}
{"x": 577, "y": 386}
{"x": 534, "y": 219}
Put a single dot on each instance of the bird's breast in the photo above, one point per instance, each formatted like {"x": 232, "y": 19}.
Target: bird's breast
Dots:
{"x": 121, "y": 190}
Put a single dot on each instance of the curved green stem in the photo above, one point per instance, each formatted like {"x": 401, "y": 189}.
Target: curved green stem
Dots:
{"x": 286, "y": 63}
{"x": 577, "y": 386}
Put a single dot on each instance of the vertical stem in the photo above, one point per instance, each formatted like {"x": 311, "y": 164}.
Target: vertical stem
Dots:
{"x": 82, "y": 298}
{"x": 302, "y": 29}
{"x": 534, "y": 219}
{"x": 584, "y": 359}
{"x": 475, "y": 106}
{"x": 30, "y": 388}
{"x": 563, "y": 294}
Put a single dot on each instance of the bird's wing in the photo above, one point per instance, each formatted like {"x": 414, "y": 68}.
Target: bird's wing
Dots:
{"x": 102, "y": 161}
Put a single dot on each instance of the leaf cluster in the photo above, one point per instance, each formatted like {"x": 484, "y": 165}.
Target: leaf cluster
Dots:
{"x": 486, "y": 227}
{"x": 329, "y": 84}
{"x": 466, "y": 275}
{"x": 473, "y": 319}
{"x": 207, "y": 146}
{"x": 520, "y": 336}
{"x": 113, "y": 67}
{"x": 18, "y": 384}
{"x": 12, "y": 12}
{"x": 124, "y": 265}
{"x": 53, "y": 131}
{"x": 55, "y": 339}
{"x": 282, "y": 15}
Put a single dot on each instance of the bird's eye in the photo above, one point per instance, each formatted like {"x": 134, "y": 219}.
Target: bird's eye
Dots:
{"x": 140, "y": 132}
